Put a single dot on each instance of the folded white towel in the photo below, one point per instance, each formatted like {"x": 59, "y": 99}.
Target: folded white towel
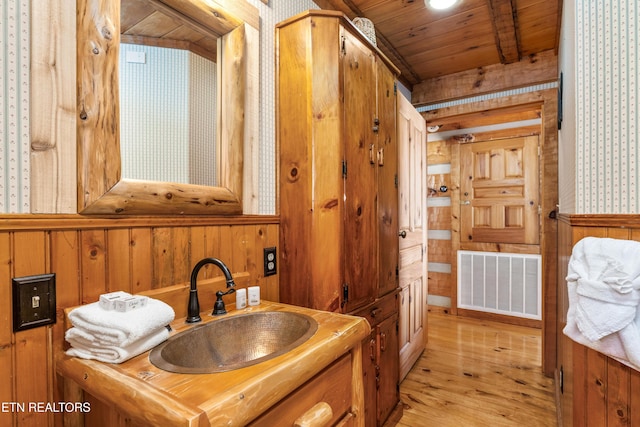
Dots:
{"x": 117, "y": 354}
{"x": 603, "y": 284}
{"x": 121, "y": 328}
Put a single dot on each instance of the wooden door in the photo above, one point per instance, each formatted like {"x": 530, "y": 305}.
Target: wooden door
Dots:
{"x": 412, "y": 171}
{"x": 499, "y": 194}
{"x": 359, "y": 171}
{"x": 387, "y": 160}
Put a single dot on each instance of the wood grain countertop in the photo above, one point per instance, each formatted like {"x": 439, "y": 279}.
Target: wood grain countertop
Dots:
{"x": 149, "y": 394}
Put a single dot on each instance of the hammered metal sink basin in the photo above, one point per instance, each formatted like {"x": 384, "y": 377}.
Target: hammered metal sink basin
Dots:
{"x": 233, "y": 342}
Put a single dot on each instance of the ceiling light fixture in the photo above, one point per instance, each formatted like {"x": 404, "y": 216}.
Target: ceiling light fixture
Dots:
{"x": 441, "y": 4}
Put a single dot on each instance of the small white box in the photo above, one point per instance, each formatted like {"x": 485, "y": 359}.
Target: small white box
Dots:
{"x": 131, "y": 303}
{"x": 108, "y": 301}
{"x": 241, "y": 298}
{"x": 254, "y": 295}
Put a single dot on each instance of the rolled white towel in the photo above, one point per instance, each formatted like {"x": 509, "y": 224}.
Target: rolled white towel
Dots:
{"x": 117, "y": 354}
{"x": 121, "y": 328}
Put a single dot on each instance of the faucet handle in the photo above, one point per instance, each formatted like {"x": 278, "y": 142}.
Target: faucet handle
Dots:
{"x": 218, "y": 306}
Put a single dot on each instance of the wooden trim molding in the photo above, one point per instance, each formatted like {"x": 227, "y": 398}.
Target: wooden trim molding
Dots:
{"x": 79, "y": 222}
{"x": 601, "y": 220}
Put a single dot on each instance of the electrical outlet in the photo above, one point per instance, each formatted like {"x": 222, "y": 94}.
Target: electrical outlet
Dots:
{"x": 270, "y": 263}
{"x": 34, "y": 301}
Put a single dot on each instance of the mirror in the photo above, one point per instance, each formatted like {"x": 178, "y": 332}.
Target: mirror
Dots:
{"x": 101, "y": 189}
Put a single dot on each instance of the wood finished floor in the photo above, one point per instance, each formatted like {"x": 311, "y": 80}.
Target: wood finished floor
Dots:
{"x": 478, "y": 373}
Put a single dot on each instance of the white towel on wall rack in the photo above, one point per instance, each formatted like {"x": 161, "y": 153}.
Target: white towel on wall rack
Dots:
{"x": 603, "y": 284}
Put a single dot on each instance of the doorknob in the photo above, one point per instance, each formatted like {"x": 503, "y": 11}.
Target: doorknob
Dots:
{"x": 402, "y": 234}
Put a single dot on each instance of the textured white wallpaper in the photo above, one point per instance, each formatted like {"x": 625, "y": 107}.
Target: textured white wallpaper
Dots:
{"x": 14, "y": 106}
{"x": 567, "y": 135}
{"x": 607, "y": 115}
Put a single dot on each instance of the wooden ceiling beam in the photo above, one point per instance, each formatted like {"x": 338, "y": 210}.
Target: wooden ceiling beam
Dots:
{"x": 504, "y": 19}
{"x": 532, "y": 70}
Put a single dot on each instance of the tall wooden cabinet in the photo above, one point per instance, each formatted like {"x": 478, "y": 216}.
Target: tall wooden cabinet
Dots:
{"x": 336, "y": 130}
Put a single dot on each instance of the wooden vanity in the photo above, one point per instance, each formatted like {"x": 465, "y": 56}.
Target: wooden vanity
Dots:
{"x": 320, "y": 379}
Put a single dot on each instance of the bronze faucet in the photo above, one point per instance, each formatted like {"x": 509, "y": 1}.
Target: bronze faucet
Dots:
{"x": 193, "y": 309}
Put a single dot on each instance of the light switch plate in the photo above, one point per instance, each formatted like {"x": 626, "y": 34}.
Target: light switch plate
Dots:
{"x": 34, "y": 301}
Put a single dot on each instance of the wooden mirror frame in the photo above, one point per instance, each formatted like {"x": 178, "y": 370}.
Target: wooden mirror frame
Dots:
{"x": 101, "y": 188}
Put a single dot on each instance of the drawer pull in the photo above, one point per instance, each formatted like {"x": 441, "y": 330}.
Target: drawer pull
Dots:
{"x": 318, "y": 416}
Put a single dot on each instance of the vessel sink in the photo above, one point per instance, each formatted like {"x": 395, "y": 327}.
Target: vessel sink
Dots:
{"x": 233, "y": 342}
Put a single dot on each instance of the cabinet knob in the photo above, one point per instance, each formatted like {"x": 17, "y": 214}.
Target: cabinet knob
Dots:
{"x": 402, "y": 234}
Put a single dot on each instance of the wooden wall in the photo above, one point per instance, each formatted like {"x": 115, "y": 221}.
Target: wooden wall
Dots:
{"x": 94, "y": 256}
{"x": 439, "y": 217}
{"x": 596, "y": 390}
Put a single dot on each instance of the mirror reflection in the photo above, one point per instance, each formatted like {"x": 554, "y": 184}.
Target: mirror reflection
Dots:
{"x": 168, "y": 93}
{"x": 167, "y": 115}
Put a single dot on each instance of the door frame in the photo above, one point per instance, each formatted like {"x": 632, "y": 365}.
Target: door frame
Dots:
{"x": 546, "y": 101}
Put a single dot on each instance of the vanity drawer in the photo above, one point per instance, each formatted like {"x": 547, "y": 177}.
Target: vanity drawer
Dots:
{"x": 332, "y": 386}
{"x": 380, "y": 309}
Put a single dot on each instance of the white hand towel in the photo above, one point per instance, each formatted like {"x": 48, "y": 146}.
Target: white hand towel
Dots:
{"x": 603, "y": 284}
{"x": 121, "y": 328}
{"x": 116, "y": 354}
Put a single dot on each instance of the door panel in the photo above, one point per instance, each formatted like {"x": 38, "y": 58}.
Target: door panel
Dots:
{"x": 387, "y": 159}
{"x": 499, "y": 191}
{"x": 361, "y": 251}
{"x": 388, "y": 380}
{"x": 413, "y": 228}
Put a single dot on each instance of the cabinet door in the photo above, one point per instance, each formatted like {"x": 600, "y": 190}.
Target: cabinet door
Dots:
{"x": 388, "y": 372}
{"x": 370, "y": 377}
{"x": 387, "y": 159}
{"x": 360, "y": 227}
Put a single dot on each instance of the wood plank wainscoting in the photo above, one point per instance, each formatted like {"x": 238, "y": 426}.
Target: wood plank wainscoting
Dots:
{"x": 91, "y": 256}
{"x": 594, "y": 390}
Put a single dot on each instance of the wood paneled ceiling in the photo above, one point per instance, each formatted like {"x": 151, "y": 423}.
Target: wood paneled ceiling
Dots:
{"x": 425, "y": 43}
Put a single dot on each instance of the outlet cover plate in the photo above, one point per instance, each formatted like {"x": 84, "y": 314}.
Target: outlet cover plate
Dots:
{"x": 34, "y": 301}
{"x": 270, "y": 262}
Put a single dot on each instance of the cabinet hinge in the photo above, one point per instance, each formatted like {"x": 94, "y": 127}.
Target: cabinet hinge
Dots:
{"x": 395, "y": 88}
{"x": 395, "y": 180}
{"x": 344, "y": 168}
{"x": 345, "y": 294}
{"x": 343, "y": 45}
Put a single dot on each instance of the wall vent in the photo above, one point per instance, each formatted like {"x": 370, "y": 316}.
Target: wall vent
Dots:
{"x": 502, "y": 283}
